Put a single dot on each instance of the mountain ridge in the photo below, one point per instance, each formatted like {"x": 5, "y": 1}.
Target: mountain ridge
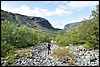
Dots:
{"x": 30, "y": 21}
{"x": 67, "y": 27}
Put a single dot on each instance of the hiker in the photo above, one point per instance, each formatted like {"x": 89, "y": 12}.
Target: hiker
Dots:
{"x": 48, "y": 47}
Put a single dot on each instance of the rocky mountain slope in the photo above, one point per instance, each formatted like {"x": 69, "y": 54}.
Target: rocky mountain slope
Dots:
{"x": 67, "y": 27}
{"x": 30, "y": 21}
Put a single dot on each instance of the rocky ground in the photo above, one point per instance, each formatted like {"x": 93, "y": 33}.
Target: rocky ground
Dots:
{"x": 40, "y": 57}
{"x": 85, "y": 57}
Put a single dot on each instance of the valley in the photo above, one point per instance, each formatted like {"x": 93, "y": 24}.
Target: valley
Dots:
{"x": 24, "y": 39}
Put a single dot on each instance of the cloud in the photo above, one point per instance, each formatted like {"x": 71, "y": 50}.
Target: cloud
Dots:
{"x": 78, "y": 5}
{"x": 61, "y": 24}
{"x": 21, "y": 10}
{"x": 63, "y": 8}
{"x": 60, "y": 11}
{"x": 25, "y": 10}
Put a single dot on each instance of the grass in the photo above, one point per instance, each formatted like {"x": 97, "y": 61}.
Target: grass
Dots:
{"x": 64, "y": 52}
{"x": 25, "y": 52}
{"x": 87, "y": 46}
{"x": 10, "y": 58}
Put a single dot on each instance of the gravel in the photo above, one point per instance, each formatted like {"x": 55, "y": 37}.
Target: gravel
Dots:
{"x": 40, "y": 57}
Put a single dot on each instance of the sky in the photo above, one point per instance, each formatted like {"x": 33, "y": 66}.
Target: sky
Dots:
{"x": 58, "y": 13}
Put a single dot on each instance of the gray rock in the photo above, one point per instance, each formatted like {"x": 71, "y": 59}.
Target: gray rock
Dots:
{"x": 39, "y": 57}
{"x": 4, "y": 63}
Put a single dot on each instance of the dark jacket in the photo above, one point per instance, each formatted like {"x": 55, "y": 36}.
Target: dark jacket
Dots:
{"x": 48, "y": 46}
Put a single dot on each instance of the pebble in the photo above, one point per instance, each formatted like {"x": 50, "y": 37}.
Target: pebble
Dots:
{"x": 85, "y": 57}
{"x": 39, "y": 57}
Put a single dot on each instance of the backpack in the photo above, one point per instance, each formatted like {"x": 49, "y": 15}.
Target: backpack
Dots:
{"x": 46, "y": 45}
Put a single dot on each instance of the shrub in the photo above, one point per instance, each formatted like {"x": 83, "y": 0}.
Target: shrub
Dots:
{"x": 6, "y": 48}
{"x": 61, "y": 52}
{"x": 19, "y": 36}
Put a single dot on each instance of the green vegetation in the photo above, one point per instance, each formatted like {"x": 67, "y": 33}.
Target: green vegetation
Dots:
{"x": 14, "y": 36}
{"x": 26, "y": 52}
{"x": 6, "y": 48}
{"x": 61, "y": 52}
{"x": 86, "y": 33}
{"x": 30, "y": 21}
{"x": 64, "y": 52}
{"x": 20, "y": 36}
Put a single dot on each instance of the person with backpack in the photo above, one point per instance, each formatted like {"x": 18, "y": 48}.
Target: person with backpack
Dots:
{"x": 49, "y": 48}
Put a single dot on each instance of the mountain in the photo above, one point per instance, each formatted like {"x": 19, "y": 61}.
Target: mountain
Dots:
{"x": 67, "y": 27}
{"x": 30, "y": 21}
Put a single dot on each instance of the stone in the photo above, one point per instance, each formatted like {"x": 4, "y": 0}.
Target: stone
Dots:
{"x": 81, "y": 53}
{"x": 39, "y": 57}
{"x": 92, "y": 63}
{"x": 64, "y": 61}
{"x": 16, "y": 56}
{"x": 92, "y": 58}
{"x": 3, "y": 63}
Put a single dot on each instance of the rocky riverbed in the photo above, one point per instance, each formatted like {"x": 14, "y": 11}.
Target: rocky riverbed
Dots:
{"x": 40, "y": 57}
{"x": 85, "y": 57}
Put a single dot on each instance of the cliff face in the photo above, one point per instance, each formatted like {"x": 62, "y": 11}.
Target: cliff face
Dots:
{"x": 30, "y": 21}
{"x": 67, "y": 27}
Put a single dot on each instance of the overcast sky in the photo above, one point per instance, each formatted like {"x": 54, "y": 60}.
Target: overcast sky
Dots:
{"x": 58, "y": 13}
